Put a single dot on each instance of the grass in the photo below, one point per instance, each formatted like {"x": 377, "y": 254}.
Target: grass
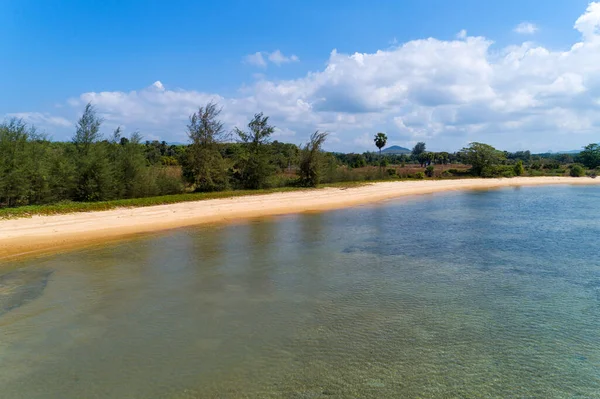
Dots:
{"x": 71, "y": 207}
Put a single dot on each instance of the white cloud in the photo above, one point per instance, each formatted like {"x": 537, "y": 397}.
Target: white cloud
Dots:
{"x": 256, "y": 59}
{"x": 43, "y": 120}
{"x": 158, "y": 85}
{"x": 447, "y": 92}
{"x": 276, "y": 57}
{"x": 526, "y": 28}
{"x": 462, "y": 34}
{"x": 589, "y": 23}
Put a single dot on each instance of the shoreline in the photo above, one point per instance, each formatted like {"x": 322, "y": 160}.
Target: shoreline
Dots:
{"x": 41, "y": 235}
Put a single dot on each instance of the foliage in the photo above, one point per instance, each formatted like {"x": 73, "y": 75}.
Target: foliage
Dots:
{"x": 418, "y": 149}
{"x": 482, "y": 157}
{"x": 311, "y": 160}
{"x": 577, "y": 171}
{"x": 429, "y": 171}
{"x": 590, "y": 156}
{"x": 380, "y": 141}
{"x": 204, "y": 166}
{"x": 519, "y": 170}
{"x": 498, "y": 171}
{"x": 253, "y": 165}
{"x": 93, "y": 169}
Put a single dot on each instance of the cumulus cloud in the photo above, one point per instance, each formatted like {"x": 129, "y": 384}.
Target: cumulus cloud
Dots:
{"x": 589, "y": 23}
{"x": 260, "y": 58}
{"x": 526, "y": 28}
{"x": 43, "y": 120}
{"x": 446, "y": 92}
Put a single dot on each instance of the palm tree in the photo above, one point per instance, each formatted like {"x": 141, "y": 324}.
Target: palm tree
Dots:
{"x": 380, "y": 141}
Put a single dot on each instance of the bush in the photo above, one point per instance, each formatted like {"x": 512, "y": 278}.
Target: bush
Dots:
{"x": 498, "y": 171}
{"x": 536, "y": 166}
{"x": 577, "y": 171}
{"x": 551, "y": 165}
{"x": 446, "y": 173}
{"x": 534, "y": 173}
{"x": 419, "y": 175}
{"x": 391, "y": 172}
{"x": 429, "y": 171}
{"x": 519, "y": 170}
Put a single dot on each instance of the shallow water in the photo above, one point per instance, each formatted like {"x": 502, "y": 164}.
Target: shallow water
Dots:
{"x": 481, "y": 294}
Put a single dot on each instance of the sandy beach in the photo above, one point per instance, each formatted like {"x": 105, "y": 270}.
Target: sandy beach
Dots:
{"x": 47, "y": 234}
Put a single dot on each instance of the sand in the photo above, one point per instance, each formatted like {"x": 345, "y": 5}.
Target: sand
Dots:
{"x": 48, "y": 234}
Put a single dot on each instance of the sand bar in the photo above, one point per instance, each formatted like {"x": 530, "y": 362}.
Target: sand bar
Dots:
{"x": 46, "y": 234}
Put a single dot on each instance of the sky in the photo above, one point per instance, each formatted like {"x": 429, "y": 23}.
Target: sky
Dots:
{"x": 517, "y": 74}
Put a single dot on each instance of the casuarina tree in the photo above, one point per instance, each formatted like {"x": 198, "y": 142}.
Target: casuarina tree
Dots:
{"x": 204, "y": 166}
{"x": 311, "y": 161}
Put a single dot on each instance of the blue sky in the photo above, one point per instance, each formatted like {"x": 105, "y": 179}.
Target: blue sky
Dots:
{"x": 350, "y": 67}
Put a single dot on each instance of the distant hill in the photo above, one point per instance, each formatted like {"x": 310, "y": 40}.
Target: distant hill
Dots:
{"x": 395, "y": 149}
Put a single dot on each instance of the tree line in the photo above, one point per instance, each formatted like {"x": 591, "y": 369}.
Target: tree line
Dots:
{"x": 91, "y": 167}
{"x": 94, "y": 167}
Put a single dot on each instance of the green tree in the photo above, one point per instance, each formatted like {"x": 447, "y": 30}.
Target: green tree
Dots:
{"x": 442, "y": 157}
{"x": 418, "y": 149}
{"x": 422, "y": 158}
{"x": 131, "y": 167}
{"x": 312, "y": 160}
{"x": 519, "y": 169}
{"x": 380, "y": 142}
{"x": 577, "y": 171}
{"x": 95, "y": 180}
{"x": 590, "y": 156}
{"x": 254, "y": 168}
{"x": 429, "y": 171}
{"x": 62, "y": 176}
{"x": 14, "y": 182}
{"x": 481, "y": 156}
{"x": 204, "y": 166}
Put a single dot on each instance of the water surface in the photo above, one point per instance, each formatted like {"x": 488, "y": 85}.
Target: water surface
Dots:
{"x": 480, "y": 294}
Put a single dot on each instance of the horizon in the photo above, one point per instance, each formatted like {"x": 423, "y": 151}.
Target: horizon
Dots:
{"x": 516, "y": 76}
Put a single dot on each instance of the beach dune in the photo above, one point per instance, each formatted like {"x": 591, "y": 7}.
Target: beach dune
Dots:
{"x": 47, "y": 234}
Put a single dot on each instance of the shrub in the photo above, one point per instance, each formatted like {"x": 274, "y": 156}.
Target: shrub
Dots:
{"x": 535, "y": 173}
{"x": 577, "y": 171}
{"x": 429, "y": 171}
{"x": 391, "y": 172}
{"x": 552, "y": 164}
{"x": 519, "y": 170}
{"x": 446, "y": 173}
{"x": 536, "y": 166}
{"x": 419, "y": 175}
{"x": 498, "y": 171}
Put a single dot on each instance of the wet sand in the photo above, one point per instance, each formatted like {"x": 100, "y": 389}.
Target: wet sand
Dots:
{"x": 47, "y": 234}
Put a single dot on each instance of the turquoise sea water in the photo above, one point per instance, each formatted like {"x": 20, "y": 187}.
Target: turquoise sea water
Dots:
{"x": 479, "y": 294}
